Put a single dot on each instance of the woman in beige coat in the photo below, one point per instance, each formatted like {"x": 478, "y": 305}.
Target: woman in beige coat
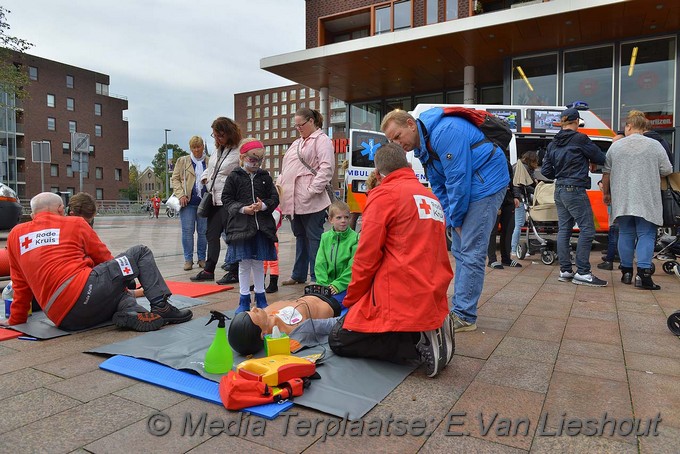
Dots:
{"x": 189, "y": 192}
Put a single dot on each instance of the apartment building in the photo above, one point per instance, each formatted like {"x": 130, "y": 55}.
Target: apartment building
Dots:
{"x": 64, "y": 99}
{"x": 615, "y": 55}
{"x": 268, "y": 115}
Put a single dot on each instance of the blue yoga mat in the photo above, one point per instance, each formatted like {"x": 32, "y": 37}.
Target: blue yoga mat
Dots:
{"x": 183, "y": 382}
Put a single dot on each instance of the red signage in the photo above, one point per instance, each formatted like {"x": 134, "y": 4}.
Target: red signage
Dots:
{"x": 660, "y": 121}
{"x": 340, "y": 145}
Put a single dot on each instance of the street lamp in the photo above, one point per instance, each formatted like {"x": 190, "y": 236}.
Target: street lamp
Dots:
{"x": 167, "y": 167}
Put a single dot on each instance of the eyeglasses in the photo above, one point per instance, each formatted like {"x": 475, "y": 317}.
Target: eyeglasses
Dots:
{"x": 216, "y": 135}
{"x": 298, "y": 126}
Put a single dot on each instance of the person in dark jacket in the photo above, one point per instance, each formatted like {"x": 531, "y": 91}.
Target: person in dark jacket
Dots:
{"x": 250, "y": 197}
{"x": 568, "y": 159}
{"x": 656, "y": 136}
{"x": 506, "y": 222}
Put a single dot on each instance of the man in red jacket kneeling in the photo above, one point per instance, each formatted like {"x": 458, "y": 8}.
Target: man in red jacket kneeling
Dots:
{"x": 398, "y": 309}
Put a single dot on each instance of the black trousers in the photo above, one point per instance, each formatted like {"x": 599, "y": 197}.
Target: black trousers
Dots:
{"x": 394, "y": 347}
{"x": 216, "y": 224}
{"x": 507, "y": 222}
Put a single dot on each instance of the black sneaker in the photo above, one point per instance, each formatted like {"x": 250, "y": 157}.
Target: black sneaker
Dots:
{"x": 605, "y": 265}
{"x": 203, "y": 276}
{"x": 229, "y": 278}
{"x": 588, "y": 279}
{"x": 432, "y": 351}
{"x": 170, "y": 313}
{"x": 138, "y": 321}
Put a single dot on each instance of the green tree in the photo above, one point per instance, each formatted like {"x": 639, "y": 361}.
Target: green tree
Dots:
{"x": 159, "y": 162}
{"x": 132, "y": 191}
{"x": 13, "y": 78}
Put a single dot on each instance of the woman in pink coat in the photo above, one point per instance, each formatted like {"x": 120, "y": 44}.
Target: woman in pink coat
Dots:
{"x": 307, "y": 168}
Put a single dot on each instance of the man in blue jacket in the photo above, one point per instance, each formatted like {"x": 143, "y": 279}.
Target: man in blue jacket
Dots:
{"x": 567, "y": 161}
{"x": 469, "y": 175}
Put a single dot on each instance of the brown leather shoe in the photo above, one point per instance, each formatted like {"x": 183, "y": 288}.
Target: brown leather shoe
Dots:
{"x": 292, "y": 281}
{"x": 201, "y": 263}
{"x": 188, "y": 266}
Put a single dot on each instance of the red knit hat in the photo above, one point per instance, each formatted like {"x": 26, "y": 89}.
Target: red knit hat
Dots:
{"x": 246, "y": 147}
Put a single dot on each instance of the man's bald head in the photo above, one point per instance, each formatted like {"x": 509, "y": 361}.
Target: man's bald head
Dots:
{"x": 47, "y": 201}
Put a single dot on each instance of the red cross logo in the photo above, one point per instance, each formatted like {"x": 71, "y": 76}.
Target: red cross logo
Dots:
{"x": 127, "y": 270}
{"x": 27, "y": 242}
{"x": 424, "y": 206}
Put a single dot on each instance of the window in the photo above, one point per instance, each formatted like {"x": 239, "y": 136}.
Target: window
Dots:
{"x": 51, "y": 124}
{"x": 71, "y": 190}
{"x": 249, "y": 114}
{"x": 257, "y": 100}
{"x": 54, "y": 170}
{"x": 33, "y": 73}
{"x": 98, "y": 130}
{"x": 534, "y": 80}
{"x": 275, "y": 135}
{"x": 99, "y": 173}
{"x": 69, "y": 171}
{"x": 249, "y": 101}
{"x": 102, "y": 89}
{"x": 284, "y": 134}
{"x": 312, "y": 93}
{"x": 293, "y": 94}
{"x": 284, "y": 96}
{"x": 257, "y": 112}
{"x": 383, "y": 21}
{"x": 91, "y": 150}
{"x": 266, "y": 98}
{"x": 293, "y": 107}
{"x": 69, "y": 81}
{"x": 266, "y": 136}
{"x": 303, "y": 93}
{"x": 284, "y": 123}
{"x": 66, "y": 147}
{"x": 249, "y": 126}
{"x": 284, "y": 109}
{"x": 118, "y": 174}
{"x": 97, "y": 109}
{"x": 275, "y": 123}
{"x": 257, "y": 125}
{"x": 275, "y": 111}
{"x": 312, "y": 104}
{"x": 70, "y": 104}
{"x": 302, "y": 105}
{"x": 266, "y": 124}
{"x": 588, "y": 75}
{"x": 50, "y": 100}
{"x": 431, "y": 11}
{"x": 55, "y": 189}
{"x": 72, "y": 126}
{"x": 402, "y": 15}
{"x": 266, "y": 112}
{"x": 451, "y": 9}
{"x": 275, "y": 97}
{"x": 99, "y": 194}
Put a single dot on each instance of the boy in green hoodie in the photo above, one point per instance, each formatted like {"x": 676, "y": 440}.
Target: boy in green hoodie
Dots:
{"x": 333, "y": 266}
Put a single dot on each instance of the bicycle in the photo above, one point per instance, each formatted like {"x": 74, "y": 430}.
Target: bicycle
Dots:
{"x": 170, "y": 212}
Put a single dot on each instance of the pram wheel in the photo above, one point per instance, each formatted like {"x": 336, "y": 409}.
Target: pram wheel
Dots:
{"x": 572, "y": 257}
{"x": 669, "y": 266}
{"x": 674, "y": 323}
{"x": 548, "y": 257}
{"x": 522, "y": 249}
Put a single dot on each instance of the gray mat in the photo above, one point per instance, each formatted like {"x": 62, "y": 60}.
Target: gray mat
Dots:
{"x": 40, "y": 327}
{"x": 348, "y": 387}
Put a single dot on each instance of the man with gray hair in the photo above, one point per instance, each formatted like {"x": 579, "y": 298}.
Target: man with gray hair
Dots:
{"x": 397, "y": 302}
{"x": 62, "y": 262}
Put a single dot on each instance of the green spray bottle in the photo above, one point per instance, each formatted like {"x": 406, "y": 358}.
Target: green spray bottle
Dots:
{"x": 219, "y": 358}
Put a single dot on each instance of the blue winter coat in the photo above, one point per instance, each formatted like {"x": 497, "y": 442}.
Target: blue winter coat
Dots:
{"x": 462, "y": 174}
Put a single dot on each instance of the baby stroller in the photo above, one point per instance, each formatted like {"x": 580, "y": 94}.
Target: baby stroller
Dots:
{"x": 541, "y": 215}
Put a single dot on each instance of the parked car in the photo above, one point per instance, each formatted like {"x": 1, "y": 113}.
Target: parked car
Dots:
{"x": 10, "y": 208}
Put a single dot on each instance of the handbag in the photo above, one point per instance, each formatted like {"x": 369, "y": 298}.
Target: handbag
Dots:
{"x": 206, "y": 206}
{"x": 670, "y": 200}
{"x": 329, "y": 188}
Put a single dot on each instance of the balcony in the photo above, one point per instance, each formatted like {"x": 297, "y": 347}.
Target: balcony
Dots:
{"x": 339, "y": 117}
{"x": 335, "y": 105}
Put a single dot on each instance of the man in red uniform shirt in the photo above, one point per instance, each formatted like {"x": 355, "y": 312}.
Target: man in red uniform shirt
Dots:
{"x": 398, "y": 309}
{"x": 156, "y": 203}
{"x": 62, "y": 262}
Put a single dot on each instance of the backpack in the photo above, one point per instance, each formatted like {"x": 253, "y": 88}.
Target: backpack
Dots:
{"x": 495, "y": 130}
{"x": 237, "y": 392}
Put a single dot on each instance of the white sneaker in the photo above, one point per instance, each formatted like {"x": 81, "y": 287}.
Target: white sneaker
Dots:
{"x": 565, "y": 276}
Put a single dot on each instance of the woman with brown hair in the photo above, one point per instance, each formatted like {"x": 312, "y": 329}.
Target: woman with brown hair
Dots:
{"x": 307, "y": 168}
{"x": 227, "y": 135}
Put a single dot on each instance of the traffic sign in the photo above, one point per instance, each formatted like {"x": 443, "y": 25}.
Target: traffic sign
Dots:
{"x": 40, "y": 151}
{"x": 80, "y": 142}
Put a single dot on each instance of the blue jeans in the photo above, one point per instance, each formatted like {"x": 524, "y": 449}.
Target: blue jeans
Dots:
{"x": 469, "y": 249}
{"x": 190, "y": 223}
{"x": 632, "y": 228}
{"x": 520, "y": 219}
{"x": 573, "y": 206}
{"x": 307, "y": 229}
{"x": 612, "y": 240}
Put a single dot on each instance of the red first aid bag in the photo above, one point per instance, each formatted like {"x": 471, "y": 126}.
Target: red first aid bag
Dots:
{"x": 237, "y": 392}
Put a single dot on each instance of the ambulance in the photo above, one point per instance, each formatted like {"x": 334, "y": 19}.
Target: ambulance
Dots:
{"x": 533, "y": 128}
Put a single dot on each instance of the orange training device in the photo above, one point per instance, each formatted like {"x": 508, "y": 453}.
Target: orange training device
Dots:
{"x": 273, "y": 370}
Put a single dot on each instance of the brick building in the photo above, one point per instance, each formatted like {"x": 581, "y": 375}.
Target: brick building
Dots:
{"x": 268, "y": 115}
{"x": 64, "y": 99}
{"x": 376, "y": 55}
{"x": 149, "y": 184}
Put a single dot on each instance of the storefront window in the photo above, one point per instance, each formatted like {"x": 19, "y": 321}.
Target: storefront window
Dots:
{"x": 588, "y": 76}
{"x": 365, "y": 116}
{"x": 647, "y": 80}
{"x": 399, "y": 103}
{"x": 534, "y": 80}
{"x": 435, "y": 98}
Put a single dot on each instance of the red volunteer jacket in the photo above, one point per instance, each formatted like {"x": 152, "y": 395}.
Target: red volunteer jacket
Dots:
{"x": 401, "y": 269}
{"x": 43, "y": 255}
